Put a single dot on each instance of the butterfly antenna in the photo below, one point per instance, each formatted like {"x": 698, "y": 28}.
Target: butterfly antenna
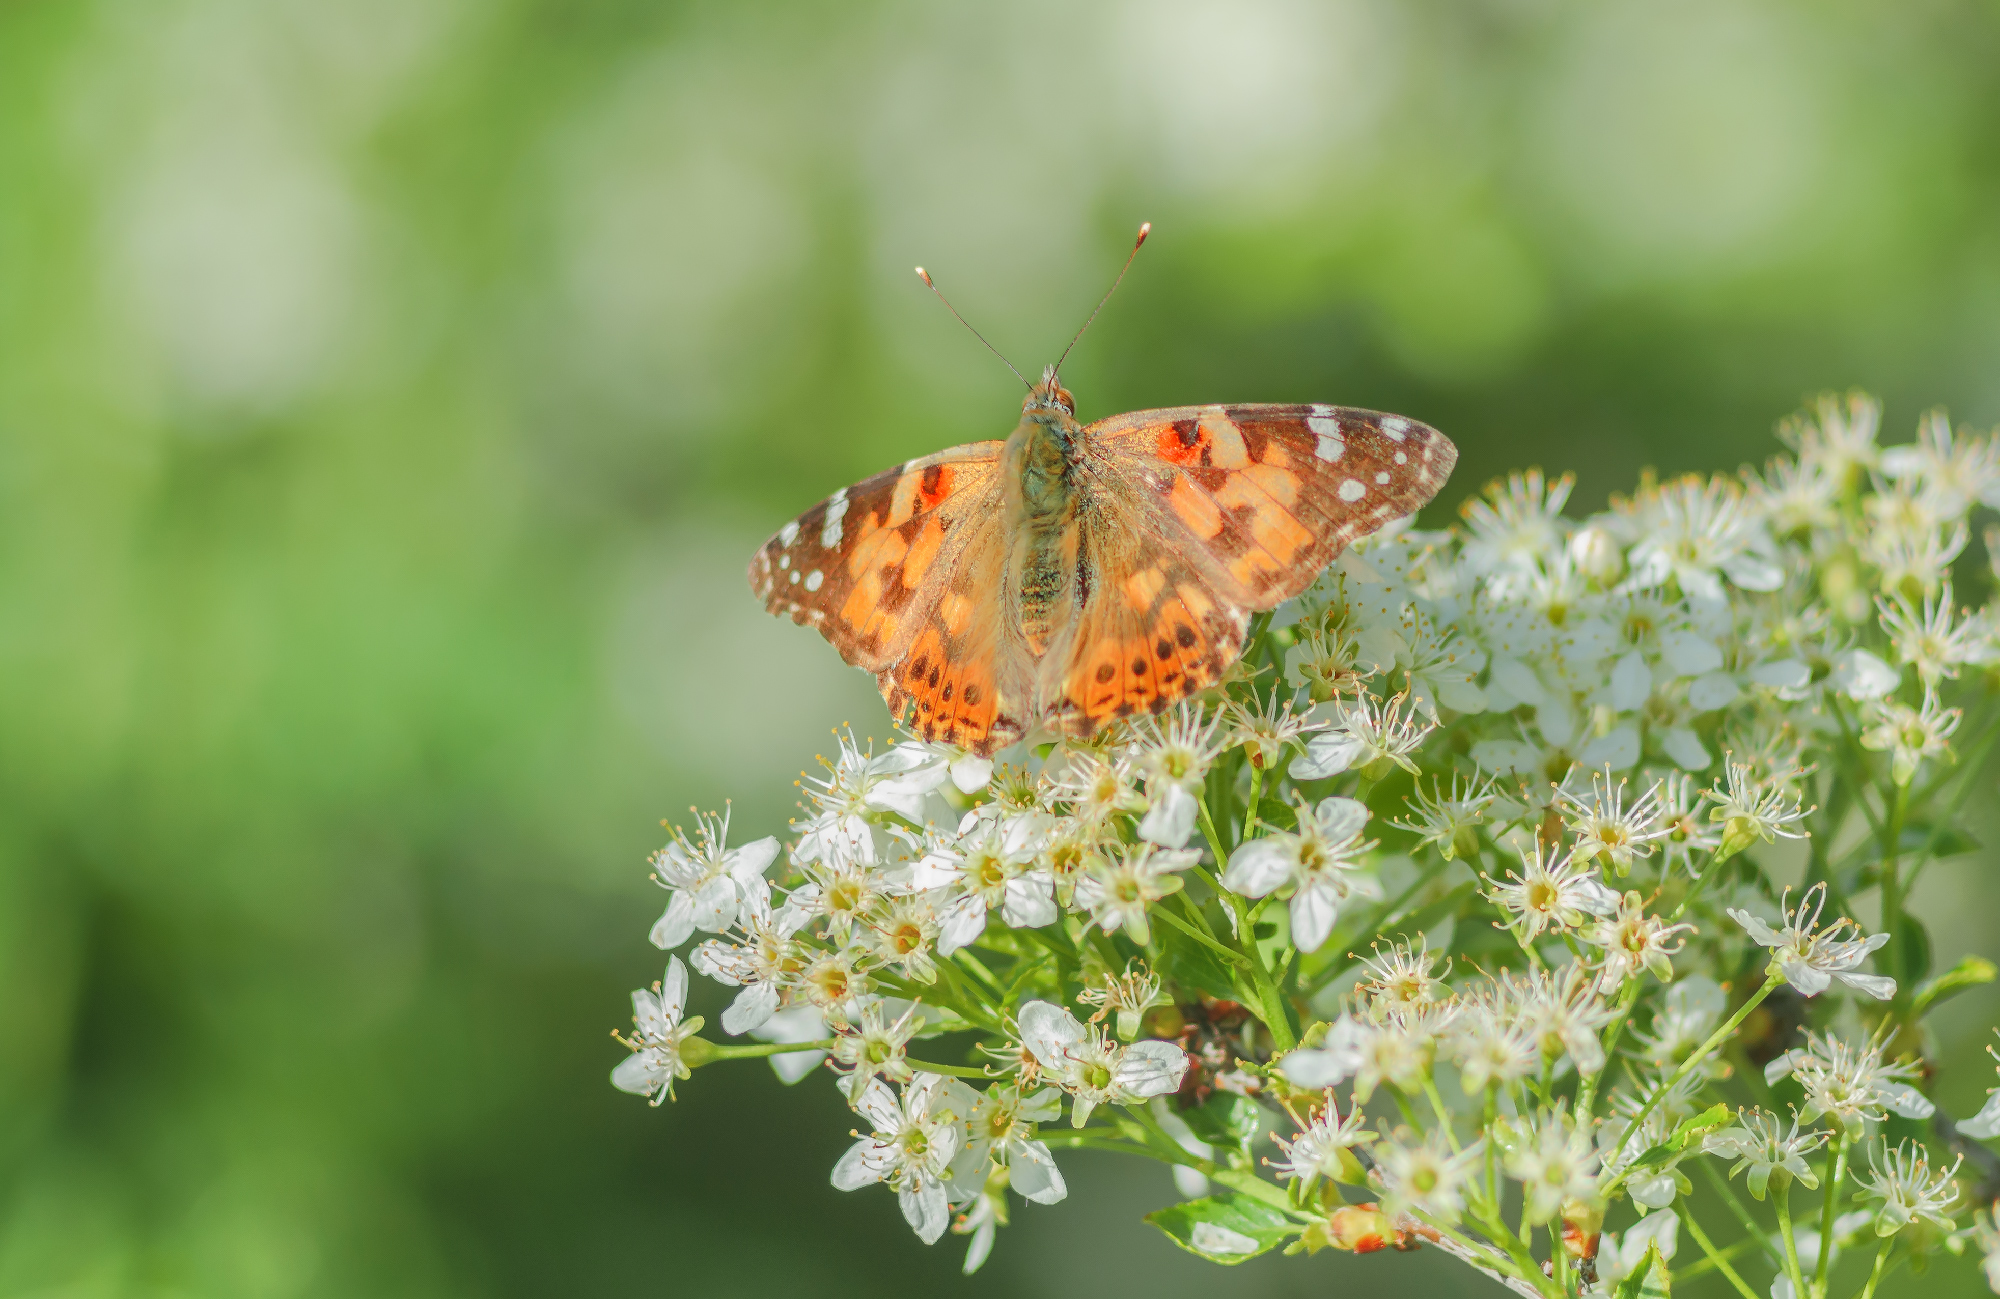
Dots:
{"x": 931, "y": 284}
{"x": 1145, "y": 229}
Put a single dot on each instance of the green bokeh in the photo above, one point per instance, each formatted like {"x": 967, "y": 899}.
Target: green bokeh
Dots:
{"x": 391, "y": 392}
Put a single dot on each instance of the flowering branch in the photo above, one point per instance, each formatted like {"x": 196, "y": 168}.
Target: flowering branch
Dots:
{"x": 1535, "y": 766}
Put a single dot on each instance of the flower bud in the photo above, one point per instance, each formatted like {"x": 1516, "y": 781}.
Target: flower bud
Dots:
{"x": 1358, "y": 1228}
{"x": 1596, "y": 554}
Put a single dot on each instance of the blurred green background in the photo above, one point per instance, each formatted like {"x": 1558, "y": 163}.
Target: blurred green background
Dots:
{"x": 391, "y": 392}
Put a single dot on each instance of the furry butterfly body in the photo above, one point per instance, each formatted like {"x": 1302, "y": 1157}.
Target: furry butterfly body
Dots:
{"x": 1075, "y": 574}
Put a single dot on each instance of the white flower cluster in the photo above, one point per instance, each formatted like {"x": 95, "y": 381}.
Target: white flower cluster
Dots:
{"x": 1540, "y": 768}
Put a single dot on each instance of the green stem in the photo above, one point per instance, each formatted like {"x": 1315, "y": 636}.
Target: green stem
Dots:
{"x": 1718, "y": 1259}
{"x": 1214, "y": 840}
{"x": 1892, "y": 891}
{"x": 1586, "y": 1092}
{"x": 1881, "y": 1266}
{"x": 949, "y": 1070}
{"x": 1783, "y": 1199}
{"x": 1176, "y": 922}
{"x": 761, "y": 1049}
{"x": 1701, "y": 1053}
{"x": 1736, "y": 1207}
{"x": 1256, "y": 795}
{"x": 1089, "y": 1139}
{"x": 1836, "y": 1169}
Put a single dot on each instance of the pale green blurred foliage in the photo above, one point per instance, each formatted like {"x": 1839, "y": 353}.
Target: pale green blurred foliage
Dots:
{"x": 391, "y": 391}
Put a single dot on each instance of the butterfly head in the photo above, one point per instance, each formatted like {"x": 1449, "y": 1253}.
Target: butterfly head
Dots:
{"x": 1049, "y": 395}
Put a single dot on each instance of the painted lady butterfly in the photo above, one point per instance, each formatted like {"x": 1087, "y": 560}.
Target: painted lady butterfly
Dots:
{"x": 1075, "y": 574}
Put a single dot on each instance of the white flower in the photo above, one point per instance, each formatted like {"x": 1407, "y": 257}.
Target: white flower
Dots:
{"x": 1608, "y": 831}
{"x": 1552, "y": 891}
{"x": 1633, "y": 941}
{"x": 1811, "y": 958}
{"x": 1909, "y": 1190}
{"x": 1367, "y": 734}
{"x": 658, "y": 1032}
{"x": 1986, "y": 1238}
{"x": 1910, "y": 735}
{"x": 1489, "y": 1043}
{"x": 905, "y": 935}
{"x": 1913, "y": 558}
{"x": 1000, "y": 1131}
{"x": 1925, "y": 637}
{"x": 1849, "y": 1084}
{"x": 1552, "y": 1160}
{"x": 1424, "y": 1177}
{"x": 1127, "y": 996}
{"x": 1985, "y": 1124}
{"x": 1759, "y": 1143}
{"x": 1749, "y": 809}
{"x": 871, "y": 1045}
{"x": 1396, "y": 1052}
{"x": 1954, "y": 471}
{"x": 1683, "y": 1019}
{"x": 761, "y": 965}
{"x": 916, "y": 1136}
{"x": 860, "y": 784}
{"x": 1841, "y": 442}
{"x": 1515, "y": 526}
{"x": 1563, "y": 1010}
{"x": 1173, "y": 754}
{"x": 1319, "y": 862}
{"x": 1402, "y": 982}
{"x": 1448, "y": 820}
{"x": 1117, "y": 890}
{"x": 1693, "y": 532}
{"x": 1326, "y": 1148}
{"x": 1266, "y": 731}
{"x": 1097, "y": 788}
{"x": 990, "y": 868}
{"x": 1093, "y": 1069}
{"x": 706, "y": 881}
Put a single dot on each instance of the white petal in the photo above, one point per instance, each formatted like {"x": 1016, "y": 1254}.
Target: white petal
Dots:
{"x": 1711, "y": 691}
{"x": 1754, "y": 573}
{"x": 1663, "y": 1228}
{"x": 676, "y": 923}
{"x": 981, "y": 1246}
{"x": 1189, "y": 1182}
{"x": 1619, "y": 750}
{"x": 1984, "y": 1125}
{"x": 639, "y": 1073}
{"x": 1340, "y": 819}
{"x": 1860, "y": 675}
{"x": 1504, "y": 757}
{"x": 1149, "y": 1069}
{"x": 1035, "y": 1175}
{"x": 1028, "y": 903}
{"x": 1654, "y": 1192}
{"x": 1782, "y": 674}
{"x": 1879, "y": 986}
{"x": 674, "y": 991}
{"x": 854, "y": 1169}
{"x": 1315, "y": 908}
{"x": 878, "y": 1105}
{"x": 971, "y": 774}
{"x": 934, "y": 871}
{"x": 646, "y": 1014}
{"x": 1327, "y": 754}
{"x": 1461, "y": 696}
{"x": 1313, "y": 1069}
{"x": 1041, "y": 1107}
{"x": 751, "y": 1008}
{"x": 1760, "y": 933}
{"x": 752, "y": 859}
{"x": 1170, "y": 820}
{"x": 1783, "y": 1064}
{"x": 1260, "y": 866}
{"x": 1631, "y": 682}
{"x": 1686, "y": 749}
{"x": 1907, "y": 1100}
{"x": 962, "y": 920}
{"x": 1805, "y": 978}
{"x": 1688, "y": 654}
{"x": 795, "y": 1065}
{"x": 1513, "y": 676}
{"x": 714, "y": 905}
{"x": 926, "y": 1211}
{"x": 1048, "y": 1032}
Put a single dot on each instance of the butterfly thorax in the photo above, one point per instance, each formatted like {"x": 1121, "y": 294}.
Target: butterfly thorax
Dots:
{"x": 1040, "y": 502}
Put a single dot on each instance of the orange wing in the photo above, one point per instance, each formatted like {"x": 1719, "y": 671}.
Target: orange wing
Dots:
{"x": 902, "y": 575}
{"x": 1195, "y": 516}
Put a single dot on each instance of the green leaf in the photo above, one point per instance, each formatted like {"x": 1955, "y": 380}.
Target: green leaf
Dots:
{"x": 1190, "y": 963}
{"x": 1971, "y": 972}
{"x": 1916, "y": 952}
{"x": 1222, "y": 1223}
{"x": 1227, "y": 1120}
{"x": 1649, "y": 1280}
{"x": 1863, "y": 868}
{"x": 1277, "y": 814}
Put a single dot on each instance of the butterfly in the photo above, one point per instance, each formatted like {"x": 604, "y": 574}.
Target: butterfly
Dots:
{"x": 1076, "y": 574}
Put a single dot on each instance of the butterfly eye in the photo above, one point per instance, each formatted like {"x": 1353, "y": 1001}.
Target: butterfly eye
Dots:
{"x": 1062, "y": 398}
